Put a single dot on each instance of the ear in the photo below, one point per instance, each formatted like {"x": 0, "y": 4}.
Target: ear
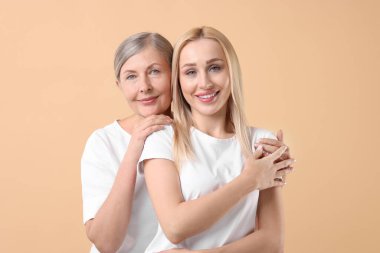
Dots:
{"x": 117, "y": 83}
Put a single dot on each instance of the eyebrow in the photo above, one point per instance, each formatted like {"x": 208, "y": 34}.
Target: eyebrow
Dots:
{"x": 133, "y": 71}
{"x": 207, "y": 62}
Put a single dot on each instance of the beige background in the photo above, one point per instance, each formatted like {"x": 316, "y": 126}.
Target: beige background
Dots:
{"x": 309, "y": 67}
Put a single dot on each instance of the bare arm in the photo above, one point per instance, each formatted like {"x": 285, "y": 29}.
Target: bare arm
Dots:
{"x": 269, "y": 233}
{"x": 181, "y": 219}
{"x": 109, "y": 227}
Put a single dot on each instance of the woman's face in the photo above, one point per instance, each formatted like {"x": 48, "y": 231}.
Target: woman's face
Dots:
{"x": 204, "y": 77}
{"x": 145, "y": 82}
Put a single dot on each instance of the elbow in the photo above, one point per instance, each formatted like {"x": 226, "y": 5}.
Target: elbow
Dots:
{"x": 101, "y": 244}
{"x": 175, "y": 239}
{"x": 106, "y": 248}
{"x": 174, "y": 233}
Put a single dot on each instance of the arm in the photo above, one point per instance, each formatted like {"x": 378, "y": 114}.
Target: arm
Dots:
{"x": 108, "y": 228}
{"x": 181, "y": 219}
{"x": 269, "y": 233}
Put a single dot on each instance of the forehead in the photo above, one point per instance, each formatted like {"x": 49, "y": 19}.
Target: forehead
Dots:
{"x": 201, "y": 50}
{"x": 147, "y": 56}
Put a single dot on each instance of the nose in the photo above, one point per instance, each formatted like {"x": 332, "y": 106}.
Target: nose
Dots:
{"x": 145, "y": 85}
{"x": 204, "y": 81}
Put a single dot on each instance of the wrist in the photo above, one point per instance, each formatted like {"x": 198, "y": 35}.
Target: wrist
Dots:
{"x": 246, "y": 183}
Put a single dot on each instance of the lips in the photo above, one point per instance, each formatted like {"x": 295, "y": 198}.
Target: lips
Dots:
{"x": 207, "y": 97}
{"x": 148, "y": 100}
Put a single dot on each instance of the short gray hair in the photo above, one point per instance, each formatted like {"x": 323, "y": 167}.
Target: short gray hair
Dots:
{"x": 136, "y": 43}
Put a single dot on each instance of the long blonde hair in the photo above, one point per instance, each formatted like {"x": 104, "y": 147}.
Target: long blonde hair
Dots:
{"x": 182, "y": 147}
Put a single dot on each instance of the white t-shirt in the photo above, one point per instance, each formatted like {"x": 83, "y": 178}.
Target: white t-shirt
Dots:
{"x": 216, "y": 162}
{"x": 100, "y": 162}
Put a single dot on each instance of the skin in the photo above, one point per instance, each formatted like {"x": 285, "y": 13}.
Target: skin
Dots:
{"x": 205, "y": 85}
{"x": 145, "y": 83}
{"x": 269, "y": 233}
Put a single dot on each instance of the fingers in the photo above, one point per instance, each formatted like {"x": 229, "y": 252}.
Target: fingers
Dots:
{"x": 280, "y": 135}
{"x": 282, "y": 173}
{"x": 149, "y": 130}
{"x": 258, "y": 152}
{"x": 153, "y": 120}
{"x": 156, "y": 120}
{"x": 279, "y": 182}
{"x": 149, "y": 125}
{"x": 278, "y": 153}
{"x": 284, "y": 164}
{"x": 271, "y": 142}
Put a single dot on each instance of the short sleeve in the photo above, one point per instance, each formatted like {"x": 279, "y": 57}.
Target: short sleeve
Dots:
{"x": 158, "y": 145}
{"x": 259, "y": 133}
{"x": 97, "y": 175}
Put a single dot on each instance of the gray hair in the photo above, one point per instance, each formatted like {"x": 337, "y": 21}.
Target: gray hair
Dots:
{"x": 136, "y": 43}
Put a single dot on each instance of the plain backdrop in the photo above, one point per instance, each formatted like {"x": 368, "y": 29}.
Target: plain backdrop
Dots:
{"x": 310, "y": 68}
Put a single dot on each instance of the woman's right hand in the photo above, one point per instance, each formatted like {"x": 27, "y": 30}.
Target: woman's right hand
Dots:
{"x": 264, "y": 172}
{"x": 143, "y": 129}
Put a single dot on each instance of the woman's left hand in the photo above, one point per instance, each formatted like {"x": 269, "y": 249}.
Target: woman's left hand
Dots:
{"x": 271, "y": 145}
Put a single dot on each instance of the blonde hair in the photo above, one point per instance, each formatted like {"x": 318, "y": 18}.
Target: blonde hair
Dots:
{"x": 182, "y": 146}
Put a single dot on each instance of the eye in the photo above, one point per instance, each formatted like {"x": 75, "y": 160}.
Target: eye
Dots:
{"x": 154, "y": 72}
{"x": 190, "y": 72}
{"x": 214, "y": 68}
{"x": 130, "y": 77}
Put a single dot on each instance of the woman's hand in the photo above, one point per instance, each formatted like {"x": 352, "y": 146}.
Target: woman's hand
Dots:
{"x": 263, "y": 172}
{"x": 271, "y": 145}
{"x": 143, "y": 129}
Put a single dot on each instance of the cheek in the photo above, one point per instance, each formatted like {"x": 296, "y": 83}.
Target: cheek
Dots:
{"x": 185, "y": 90}
{"x": 187, "y": 85}
{"x": 128, "y": 92}
{"x": 165, "y": 88}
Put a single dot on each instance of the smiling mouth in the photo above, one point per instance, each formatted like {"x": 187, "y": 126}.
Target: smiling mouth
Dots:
{"x": 149, "y": 100}
{"x": 207, "y": 97}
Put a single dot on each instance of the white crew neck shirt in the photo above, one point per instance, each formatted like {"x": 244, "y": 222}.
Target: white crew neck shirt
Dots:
{"x": 101, "y": 158}
{"x": 216, "y": 163}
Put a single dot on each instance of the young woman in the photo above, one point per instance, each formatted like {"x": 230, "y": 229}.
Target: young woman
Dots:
{"x": 201, "y": 174}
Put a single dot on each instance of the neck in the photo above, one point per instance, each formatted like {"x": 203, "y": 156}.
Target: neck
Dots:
{"x": 129, "y": 123}
{"x": 214, "y": 125}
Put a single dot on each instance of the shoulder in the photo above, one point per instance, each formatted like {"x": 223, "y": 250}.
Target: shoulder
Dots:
{"x": 258, "y": 133}
{"x": 107, "y": 134}
{"x": 158, "y": 145}
{"x": 166, "y": 135}
{"x": 105, "y": 140}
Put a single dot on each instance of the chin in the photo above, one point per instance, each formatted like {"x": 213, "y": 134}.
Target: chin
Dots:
{"x": 149, "y": 112}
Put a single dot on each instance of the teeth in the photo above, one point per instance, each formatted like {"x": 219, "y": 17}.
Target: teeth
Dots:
{"x": 208, "y": 96}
